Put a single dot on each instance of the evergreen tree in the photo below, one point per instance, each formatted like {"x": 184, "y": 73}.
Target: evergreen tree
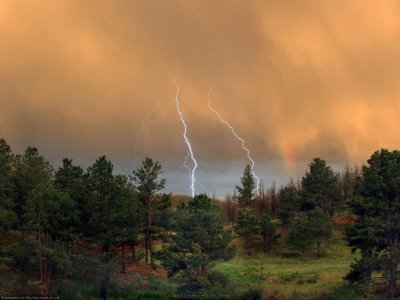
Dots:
{"x": 376, "y": 230}
{"x": 308, "y": 227}
{"x": 8, "y": 218}
{"x": 7, "y": 215}
{"x": 115, "y": 216}
{"x": 246, "y": 191}
{"x": 300, "y": 236}
{"x": 103, "y": 205}
{"x": 268, "y": 232}
{"x": 321, "y": 227}
{"x": 145, "y": 180}
{"x": 31, "y": 169}
{"x": 71, "y": 179}
{"x": 247, "y": 227}
{"x": 320, "y": 187}
{"x": 199, "y": 241}
{"x": 129, "y": 217}
{"x": 50, "y": 216}
{"x": 162, "y": 217}
{"x": 290, "y": 204}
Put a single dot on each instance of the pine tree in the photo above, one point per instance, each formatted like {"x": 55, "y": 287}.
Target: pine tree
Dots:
{"x": 376, "y": 231}
{"x": 199, "y": 241}
{"x": 7, "y": 214}
{"x": 300, "y": 236}
{"x": 71, "y": 179}
{"x": 128, "y": 218}
{"x": 31, "y": 169}
{"x": 51, "y": 215}
{"x": 247, "y": 227}
{"x": 246, "y": 191}
{"x": 162, "y": 217}
{"x": 320, "y": 187}
{"x": 8, "y": 219}
{"x": 102, "y": 224}
{"x": 268, "y": 232}
{"x": 321, "y": 227}
{"x": 145, "y": 180}
{"x": 290, "y": 204}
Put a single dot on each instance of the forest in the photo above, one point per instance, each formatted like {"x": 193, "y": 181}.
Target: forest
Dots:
{"x": 71, "y": 233}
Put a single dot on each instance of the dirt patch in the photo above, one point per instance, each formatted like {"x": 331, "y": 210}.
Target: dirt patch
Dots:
{"x": 343, "y": 220}
{"x": 144, "y": 269}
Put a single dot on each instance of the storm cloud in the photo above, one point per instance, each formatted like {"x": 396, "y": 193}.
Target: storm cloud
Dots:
{"x": 297, "y": 79}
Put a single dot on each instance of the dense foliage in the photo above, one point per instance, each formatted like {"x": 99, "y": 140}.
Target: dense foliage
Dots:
{"x": 84, "y": 233}
{"x": 199, "y": 241}
{"x": 376, "y": 230}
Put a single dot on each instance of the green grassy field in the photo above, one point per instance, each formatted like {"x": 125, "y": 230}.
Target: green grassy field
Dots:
{"x": 290, "y": 277}
{"x": 269, "y": 275}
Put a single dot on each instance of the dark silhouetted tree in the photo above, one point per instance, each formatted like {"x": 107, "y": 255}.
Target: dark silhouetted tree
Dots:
{"x": 376, "y": 230}
{"x": 320, "y": 187}
{"x": 268, "y": 232}
{"x": 102, "y": 223}
{"x": 51, "y": 215}
{"x": 71, "y": 179}
{"x": 162, "y": 217}
{"x": 145, "y": 180}
{"x": 246, "y": 191}
{"x": 300, "y": 236}
{"x": 7, "y": 214}
{"x": 199, "y": 241}
{"x": 31, "y": 169}
{"x": 8, "y": 218}
{"x": 290, "y": 204}
{"x": 247, "y": 227}
{"x": 321, "y": 227}
{"x": 129, "y": 217}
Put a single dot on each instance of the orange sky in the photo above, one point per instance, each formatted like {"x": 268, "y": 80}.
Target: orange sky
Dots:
{"x": 297, "y": 79}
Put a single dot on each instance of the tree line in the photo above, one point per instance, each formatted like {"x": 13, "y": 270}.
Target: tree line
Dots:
{"x": 47, "y": 217}
{"x": 54, "y": 221}
{"x": 301, "y": 211}
{"x": 369, "y": 197}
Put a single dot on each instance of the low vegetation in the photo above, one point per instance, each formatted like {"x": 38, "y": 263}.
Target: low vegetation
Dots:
{"x": 287, "y": 276}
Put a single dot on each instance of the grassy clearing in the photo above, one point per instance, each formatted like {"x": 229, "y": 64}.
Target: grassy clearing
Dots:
{"x": 290, "y": 277}
{"x": 274, "y": 276}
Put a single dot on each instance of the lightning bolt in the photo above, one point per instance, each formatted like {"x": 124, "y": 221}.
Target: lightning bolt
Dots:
{"x": 237, "y": 137}
{"x": 203, "y": 187}
{"x": 145, "y": 125}
{"x": 190, "y": 174}
{"x": 147, "y": 122}
{"x": 187, "y": 141}
{"x": 184, "y": 165}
